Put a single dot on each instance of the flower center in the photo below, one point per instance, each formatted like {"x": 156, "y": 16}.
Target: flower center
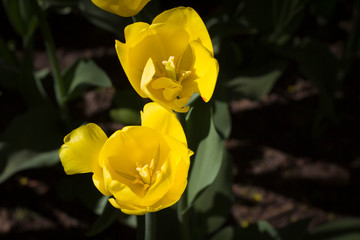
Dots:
{"x": 170, "y": 70}
{"x": 146, "y": 174}
{"x": 171, "y": 83}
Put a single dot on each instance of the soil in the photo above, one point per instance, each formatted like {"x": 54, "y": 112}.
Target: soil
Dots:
{"x": 284, "y": 169}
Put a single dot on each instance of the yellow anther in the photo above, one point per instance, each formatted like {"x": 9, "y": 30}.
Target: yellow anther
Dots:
{"x": 144, "y": 173}
{"x": 184, "y": 75}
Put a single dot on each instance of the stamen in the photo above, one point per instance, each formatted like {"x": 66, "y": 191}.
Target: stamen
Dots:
{"x": 170, "y": 68}
{"x": 184, "y": 75}
{"x": 144, "y": 173}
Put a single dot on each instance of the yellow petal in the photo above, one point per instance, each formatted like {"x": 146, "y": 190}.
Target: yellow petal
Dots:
{"x": 124, "y": 8}
{"x": 170, "y": 88}
{"x": 98, "y": 180}
{"x": 180, "y": 182}
{"x": 159, "y": 95}
{"x": 135, "y": 210}
{"x": 124, "y": 152}
{"x": 180, "y": 103}
{"x": 147, "y": 76}
{"x": 188, "y": 19}
{"x": 134, "y": 33}
{"x": 205, "y": 72}
{"x": 158, "y": 42}
{"x": 130, "y": 145}
{"x": 80, "y": 151}
{"x": 163, "y": 120}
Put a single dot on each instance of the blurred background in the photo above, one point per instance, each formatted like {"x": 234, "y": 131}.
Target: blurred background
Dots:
{"x": 289, "y": 78}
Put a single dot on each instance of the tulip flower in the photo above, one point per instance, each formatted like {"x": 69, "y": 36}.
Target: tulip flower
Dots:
{"x": 170, "y": 59}
{"x": 143, "y": 168}
{"x": 124, "y": 8}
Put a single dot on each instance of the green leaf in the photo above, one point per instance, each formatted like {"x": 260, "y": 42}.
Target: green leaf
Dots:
{"x": 209, "y": 150}
{"x": 128, "y": 98}
{"x": 21, "y": 16}
{"x": 29, "y": 141}
{"x": 38, "y": 129}
{"x": 81, "y": 187}
{"x": 126, "y": 116}
{"x": 222, "y": 118}
{"x": 26, "y": 159}
{"x": 84, "y": 73}
{"x": 343, "y": 229}
{"x": 277, "y": 18}
{"x": 108, "y": 217}
{"x": 128, "y": 105}
{"x": 58, "y": 3}
{"x": 265, "y": 228}
{"x": 213, "y": 205}
{"x": 13, "y": 11}
{"x": 227, "y": 233}
{"x": 261, "y": 230}
{"x": 254, "y": 87}
{"x": 101, "y": 205}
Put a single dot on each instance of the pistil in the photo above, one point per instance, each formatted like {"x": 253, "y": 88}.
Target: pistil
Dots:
{"x": 145, "y": 172}
{"x": 170, "y": 68}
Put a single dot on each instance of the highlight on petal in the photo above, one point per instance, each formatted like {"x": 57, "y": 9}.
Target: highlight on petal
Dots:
{"x": 133, "y": 34}
{"x": 134, "y": 74}
{"x": 189, "y": 19}
{"x": 147, "y": 76}
{"x": 157, "y": 117}
{"x": 80, "y": 151}
{"x": 124, "y": 8}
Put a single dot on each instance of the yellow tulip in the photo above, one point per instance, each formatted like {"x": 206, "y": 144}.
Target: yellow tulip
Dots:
{"x": 124, "y": 8}
{"x": 144, "y": 168}
{"x": 170, "y": 59}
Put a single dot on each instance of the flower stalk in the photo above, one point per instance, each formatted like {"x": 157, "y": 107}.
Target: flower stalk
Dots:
{"x": 150, "y": 226}
{"x": 50, "y": 48}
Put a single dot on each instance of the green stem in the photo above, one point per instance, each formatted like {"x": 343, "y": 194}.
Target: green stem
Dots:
{"x": 50, "y": 48}
{"x": 134, "y": 19}
{"x": 150, "y": 226}
{"x": 183, "y": 214}
{"x": 182, "y": 119}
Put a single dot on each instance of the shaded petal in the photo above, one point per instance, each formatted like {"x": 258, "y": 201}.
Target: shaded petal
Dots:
{"x": 163, "y": 120}
{"x": 134, "y": 33}
{"x": 124, "y": 8}
{"x": 80, "y": 151}
{"x": 179, "y": 184}
{"x": 204, "y": 73}
{"x": 147, "y": 76}
{"x": 130, "y": 145}
{"x": 188, "y": 19}
{"x": 134, "y": 210}
{"x": 98, "y": 180}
